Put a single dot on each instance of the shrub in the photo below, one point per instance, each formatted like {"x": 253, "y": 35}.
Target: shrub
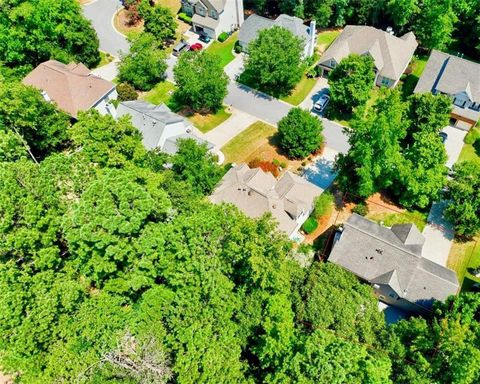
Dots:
{"x": 184, "y": 17}
{"x": 323, "y": 205}
{"x": 126, "y": 92}
{"x": 276, "y": 162}
{"x": 361, "y": 209}
{"x": 472, "y": 136}
{"x": 310, "y": 225}
{"x": 222, "y": 37}
{"x": 266, "y": 166}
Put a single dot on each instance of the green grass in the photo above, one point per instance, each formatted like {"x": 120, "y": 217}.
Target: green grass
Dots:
{"x": 241, "y": 146}
{"x": 410, "y": 81}
{"x": 162, "y": 93}
{"x": 301, "y": 91}
{"x": 207, "y": 122}
{"x": 224, "y": 50}
{"x": 324, "y": 39}
{"x": 464, "y": 255}
{"x": 469, "y": 153}
{"x": 105, "y": 58}
{"x": 389, "y": 219}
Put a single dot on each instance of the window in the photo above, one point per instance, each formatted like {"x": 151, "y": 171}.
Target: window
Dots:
{"x": 385, "y": 81}
{"x": 187, "y": 9}
{"x": 213, "y": 14}
{"x": 200, "y": 10}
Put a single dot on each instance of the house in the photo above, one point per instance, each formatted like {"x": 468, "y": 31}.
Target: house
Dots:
{"x": 458, "y": 78}
{"x": 255, "y": 24}
{"x": 72, "y": 87}
{"x": 391, "y": 260}
{"x": 160, "y": 127}
{"x": 212, "y": 17}
{"x": 289, "y": 200}
{"x": 391, "y": 55}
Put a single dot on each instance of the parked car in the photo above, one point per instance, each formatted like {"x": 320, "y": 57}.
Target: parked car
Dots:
{"x": 443, "y": 137}
{"x": 204, "y": 37}
{"x": 321, "y": 103}
{"x": 180, "y": 47}
{"x": 196, "y": 47}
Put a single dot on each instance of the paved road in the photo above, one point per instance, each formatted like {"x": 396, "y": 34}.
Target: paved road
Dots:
{"x": 100, "y": 13}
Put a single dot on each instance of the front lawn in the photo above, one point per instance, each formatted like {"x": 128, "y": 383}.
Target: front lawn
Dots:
{"x": 464, "y": 255}
{"x": 410, "y": 81}
{"x": 224, "y": 50}
{"x": 207, "y": 122}
{"x": 325, "y": 39}
{"x": 105, "y": 58}
{"x": 301, "y": 91}
{"x": 162, "y": 93}
{"x": 469, "y": 153}
{"x": 241, "y": 147}
{"x": 389, "y": 219}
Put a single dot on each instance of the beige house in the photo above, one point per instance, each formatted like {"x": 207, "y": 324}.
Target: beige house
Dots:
{"x": 391, "y": 55}
{"x": 72, "y": 87}
{"x": 290, "y": 199}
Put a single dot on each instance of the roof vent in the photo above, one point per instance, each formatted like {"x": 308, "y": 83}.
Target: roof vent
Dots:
{"x": 390, "y": 31}
{"x": 274, "y": 206}
{"x": 379, "y": 251}
{"x": 250, "y": 193}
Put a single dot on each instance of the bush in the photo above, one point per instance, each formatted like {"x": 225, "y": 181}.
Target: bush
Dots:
{"x": 237, "y": 47}
{"x": 266, "y": 166}
{"x": 361, "y": 209}
{"x": 222, "y": 37}
{"x": 184, "y": 17}
{"x": 323, "y": 205}
{"x": 126, "y": 92}
{"x": 472, "y": 136}
{"x": 310, "y": 225}
{"x": 276, "y": 162}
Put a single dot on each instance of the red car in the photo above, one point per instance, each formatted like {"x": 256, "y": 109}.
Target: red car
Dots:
{"x": 196, "y": 47}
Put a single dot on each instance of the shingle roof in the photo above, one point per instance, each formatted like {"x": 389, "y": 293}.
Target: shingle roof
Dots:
{"x": 390, "y": 54}
{"x": 205, "y": 21}
{"x": 71, "y": 86}
{"x": 256, "y": 192}
{"x": 451, "y": 75}
{"x": 374, "y": 252}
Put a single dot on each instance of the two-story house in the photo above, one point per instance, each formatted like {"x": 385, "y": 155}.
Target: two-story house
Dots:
{"x": 458, "y": 78}
{"x": 212, "y": 17}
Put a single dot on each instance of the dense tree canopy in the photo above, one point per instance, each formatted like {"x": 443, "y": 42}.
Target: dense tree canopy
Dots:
{"x": 33, "y": 31}
{"x": 274, "y": 62}
{"x": 160, "y": 22}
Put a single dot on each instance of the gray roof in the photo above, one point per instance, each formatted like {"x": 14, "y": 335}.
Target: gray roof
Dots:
{"x": 205, "y": 21}
{"x": 390, "y": 54}
{"x": 171, "y": 144}
{"x": 256, "y": 192}
{"x": 392, "y": 256}
{"x": 254, "y": 24}
{"x": 451, "y": 75}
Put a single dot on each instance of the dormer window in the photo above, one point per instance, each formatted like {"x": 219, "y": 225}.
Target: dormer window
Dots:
{"x": 200, "y": 10}
{"x": 213, "y": 14}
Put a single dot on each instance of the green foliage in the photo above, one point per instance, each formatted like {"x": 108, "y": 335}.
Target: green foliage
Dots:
{"x": 160, "y": 22}
{"x": 361, "y": 209}
{"x": 274, "y": 62}
{"x": 184, "y": 17}
{"x": 126, "y": 92}
{"x": 428, "y": 113}
{"x": 351, "y": 82}
{"x": 309, "y": 225}
{"x": 222, "y": 37}
{"x": 472, "y": 136}
{"x": 402, "y": 11}
{"x": 323, "y": 204}
{"x": 34, "y": 31}
{"x": 300, "y": 133}
{"x": 145, "y": 65}
{"x": 202, "y": 83}
{"x": 24, "y": 112}
{"x": 12, "y": 146}
{"x": 464, "y": 193}
{"x": 194, "y": 164}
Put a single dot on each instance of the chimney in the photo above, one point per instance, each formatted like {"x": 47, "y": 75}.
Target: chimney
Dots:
{"x": 312, "y": 38}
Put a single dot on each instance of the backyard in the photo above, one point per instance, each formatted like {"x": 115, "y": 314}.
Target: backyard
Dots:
{"x": 224, "y": 50}
{"x": 471, "y": 152}
{"x": 161, "y": 93}
{"x": 416, "y": 68}
{"x": 325, "y": 38}
{"x": 464, "y": 255}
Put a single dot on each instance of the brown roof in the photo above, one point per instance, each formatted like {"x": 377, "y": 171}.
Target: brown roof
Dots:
{"x": 71, "y": 86}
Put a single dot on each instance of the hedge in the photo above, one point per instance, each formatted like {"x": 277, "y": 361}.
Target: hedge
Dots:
{"x": 184, "y": 17}
{"x": 309, "y": 225}
{"x": 222, "y": 37}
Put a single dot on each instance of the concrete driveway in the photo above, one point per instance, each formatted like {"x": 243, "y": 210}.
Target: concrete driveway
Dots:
{"x": 235, "y": 67}
{"x": 238, "y": 122}
{"x": 100, "y": 13}
{"x": 453, "y": 144}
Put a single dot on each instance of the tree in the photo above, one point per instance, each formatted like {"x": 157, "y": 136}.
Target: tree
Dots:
{"x": 402, "y": 11}
{"x": 351, "y": 82}
{"x": 126, "y": 92}
{"x": 464, "y": 193}
{"x": 202, "y": 83}
{"x": 160, "y": 22}
{"x": 300, "y": 133}
{"x": 291, "y": 7}
{"x": 145, "y": 65}
{"x": 321, "y": 11}
{"x": 24, "y": 112}
{"x": 196, "y": 165}
{"x": 34, "y": 31}
{"x": 12, "y": 146}
{"x": 274, "y": 61}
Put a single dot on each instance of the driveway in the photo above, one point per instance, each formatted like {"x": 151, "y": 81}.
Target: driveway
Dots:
{"x": 238, "y": 122}
{"x": 453, "y": 144}
{"x": 107, "y": 72}
{"x": 235, "y": 67}
{"x": 320, "y": 172}
{"x": 100, "y": 13}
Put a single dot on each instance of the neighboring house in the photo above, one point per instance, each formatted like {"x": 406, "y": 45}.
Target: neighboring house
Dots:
{"x": 458, "y": 78}
{"x": 160, "y": 127}
{"x": 290, "y": 200}
{"x": 391, "y": 55}
{"x": 255, "y": 24}
{"x": 391, "y": 260}
{"x": 72, "y": 87}
{"x": 212, "y": 17}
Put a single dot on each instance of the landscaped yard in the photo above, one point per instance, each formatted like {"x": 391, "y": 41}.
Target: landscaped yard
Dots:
{"x": 469, "y": 153}
{"x": 325, "y": 38}
{"x": 160, "y": 94}
{"x": 224, "y": 50}
{"x": 105, "y": 58}
{"x": 406, "y": 217}
{"x": 410, "y": 81}
{"x": 173, "y": 5}
{"x": 301, "y": 91}
{"x": 206, "y": 123}
{"x": 463, "y": 255}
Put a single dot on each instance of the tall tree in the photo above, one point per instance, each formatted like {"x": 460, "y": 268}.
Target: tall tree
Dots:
{"x": 160, "y": 22}
{"x": 201, "y": 81}
{"x": 274, "y": 62}
{"x": 402, "y": 11}
{"x": 351, "y": 82}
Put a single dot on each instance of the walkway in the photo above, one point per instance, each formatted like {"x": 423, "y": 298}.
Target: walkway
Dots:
{"x": 107, "y": 72}
{"x": 100, "y": 13}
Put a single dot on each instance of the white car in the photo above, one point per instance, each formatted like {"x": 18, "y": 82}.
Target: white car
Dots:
{"x": 321, "y": 103}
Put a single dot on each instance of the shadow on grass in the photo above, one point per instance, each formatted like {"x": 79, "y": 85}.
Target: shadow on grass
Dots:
{"x": 249, "y": 79}
{"x": 409, "y": 84}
